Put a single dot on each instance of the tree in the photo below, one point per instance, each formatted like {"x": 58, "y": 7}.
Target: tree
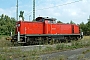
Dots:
{"x": 71, "y": 22}
{"x": 83, "y": 28}
{"x": 88, "y": 25}
{"x": 7, "y": 25}
{"x": 59, "y": 22}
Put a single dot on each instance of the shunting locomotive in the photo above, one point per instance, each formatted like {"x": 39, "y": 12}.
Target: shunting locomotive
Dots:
{"x": 45, "y": 30}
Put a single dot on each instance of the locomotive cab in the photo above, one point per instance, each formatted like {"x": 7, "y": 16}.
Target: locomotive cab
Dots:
{"x": 43, "y": 19}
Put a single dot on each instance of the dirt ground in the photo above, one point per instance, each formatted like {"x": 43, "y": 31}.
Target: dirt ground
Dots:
{"x": 77, "y": 54}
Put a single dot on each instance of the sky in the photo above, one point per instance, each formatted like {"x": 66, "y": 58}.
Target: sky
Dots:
{"x": 60, "y": 9}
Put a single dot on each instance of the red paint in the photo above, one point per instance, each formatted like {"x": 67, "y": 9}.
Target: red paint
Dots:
{"x": 76, "y": 29}
{"x": 30, "y": 27}
{"x": 46, "y": 27}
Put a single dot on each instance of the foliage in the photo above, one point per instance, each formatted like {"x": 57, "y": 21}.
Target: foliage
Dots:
{"x": 71, "y": 22}
{"x": 59, "y": 22}
{"x": 7, "y": 25}
{"x": 60, "y": 46}
{"x": 85, "y": 27}
{"x": 8, "y": 52}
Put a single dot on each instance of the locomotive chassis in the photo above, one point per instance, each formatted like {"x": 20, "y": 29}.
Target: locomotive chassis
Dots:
{"x": 44, "y": 38}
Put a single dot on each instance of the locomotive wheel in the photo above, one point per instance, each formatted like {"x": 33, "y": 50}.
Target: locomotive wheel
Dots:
{"x": 46, "y": 41}
{"x": 66, "y": 40}
{"x": 14, "y": 42}
{"x": 53, "y": 41}
{"x": 77, "y": 38}
{"x": 28, "y": 41}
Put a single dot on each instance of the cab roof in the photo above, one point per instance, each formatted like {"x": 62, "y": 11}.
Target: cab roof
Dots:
{"x": 47, "y": 18}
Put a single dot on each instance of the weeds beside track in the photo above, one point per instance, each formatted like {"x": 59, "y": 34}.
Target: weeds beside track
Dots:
{"x": 7, "y": 53}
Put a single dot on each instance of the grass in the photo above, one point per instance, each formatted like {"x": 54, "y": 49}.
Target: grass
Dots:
{"x": 4, "y": 42}
{"x": 7, "y": 53}
{"x": 86, "y": 51}
{"x": 80, "y": 57}
{"x": 86, "y": 38}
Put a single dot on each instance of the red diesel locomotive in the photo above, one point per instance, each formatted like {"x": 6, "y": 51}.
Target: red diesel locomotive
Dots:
{"x": 43, "y": 30}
